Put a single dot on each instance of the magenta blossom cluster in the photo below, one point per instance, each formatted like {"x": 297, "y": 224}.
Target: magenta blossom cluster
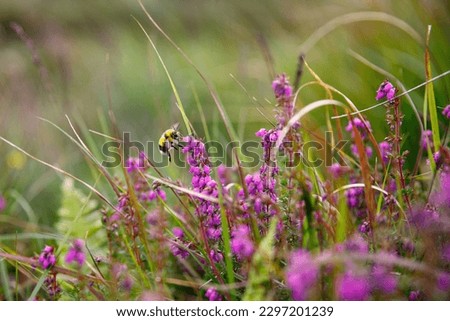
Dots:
{"x": 213, "y": 295}
{"x": 385, "y": 150}
{"x": 179, "y": 245}
{"x": 121, "y": 274}
{"x": 76, "y": 253}
{"x": 154, "y": 194}
{"x": 355, "y": 196}
{"x": 386, "y": 90}
{"x": 446, "y": 112}
{"x": 47, "y": 259}
{"x": 2, "y": 203}
{"x": 426, "y": 139}
{"x": 383, "y": 280}
{"x": 283, "y": 94}
{"x": 337, "y": 170}
{"x": 241, "y": 243}
{"x": 440, "y": 199}
{"x": 352, "y": 287}
{"x": 135, "y": 164}
{"x": 52, "y": 286}
{"x": 263, "y": 185}
{"x": 355, "y": 244}
{"x": 363, "y": 126}
{"x": 202, "y": 182}
{"x": 301, "y": 275}
{"x": 358, "y": 286}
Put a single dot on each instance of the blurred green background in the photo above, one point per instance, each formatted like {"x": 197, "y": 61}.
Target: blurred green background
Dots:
{"x": 86, "y": 46}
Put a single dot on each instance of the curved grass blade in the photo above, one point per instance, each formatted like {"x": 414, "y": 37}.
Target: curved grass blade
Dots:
{"x": 179, "y": 104}
{"x": 357, "y": 17}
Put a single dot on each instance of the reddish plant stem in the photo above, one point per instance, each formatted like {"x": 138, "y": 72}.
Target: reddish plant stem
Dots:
{"x": 398, "y": 152}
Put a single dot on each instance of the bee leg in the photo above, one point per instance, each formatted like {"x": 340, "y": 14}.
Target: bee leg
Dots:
{"x": 179, "y": 145}
{"x": 170, "y": 157}
{"x": 175, "y": 147}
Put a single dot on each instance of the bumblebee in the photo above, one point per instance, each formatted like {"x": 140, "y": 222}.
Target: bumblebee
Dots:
{"x": 170, "y": 139}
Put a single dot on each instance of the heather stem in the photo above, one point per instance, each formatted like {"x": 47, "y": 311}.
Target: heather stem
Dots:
{"x": 397, "y": 139}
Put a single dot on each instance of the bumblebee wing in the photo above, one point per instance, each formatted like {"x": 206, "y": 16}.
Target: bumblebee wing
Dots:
{"x": 176, "y": 126}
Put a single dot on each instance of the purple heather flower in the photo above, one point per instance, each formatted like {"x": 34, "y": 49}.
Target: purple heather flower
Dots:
{"x": 152, "y": 217}
{"x": 364, "y": 228}
{"x": 437, "y": 157}
{"x": 424, "y": 217}
{"x": 120, "y": 273}
{"x": 386, "y": 90}
{"x": 382, "y": 280}
{"x": 254, "y": 184}
{"x": 391, "y": 187}
{"x": 408, "y": 246}
{"x": 358, "y": 123}
{"x": 76, "y": 253}
{"x": 385, "y": 149}
{"x": 202, "y": 182}
{"x": 442, "y": 197}
{"x": 176, "y": 247}
{"x": 213, "y": 295}
{"x": 261, "y": 133}
{"x": 351, "y": 287}
{"x": 427, "y": 138}
{"x": 301, "y": 274}
{"x": 414, "y": 296}
{"x": 446, "y": 112}
{"x": 354, "y": 149}
{"x": 47, "y": 259}
{"x": 154, "y": 194}
{"x": 446, "y": 253}
{"x": 134, "y": 164}
{"x": 123, "y": 201}
{"x": 354, "y": 196}
{"x": 216, "y": 256}
{"x": 356, "y": 244}
{"x": 361, "y": 125}
{"x": 2, "y": 203}
{"x": 283, "y": 94}
{"x": 52, "y": 285}
{"x": 127, "y": 283}
{"x": 178, "y": 232}
{"x": 179, "y": 251}
{"x": 443, "y": 282}
{"x": 241, "y": 244}
{"x": 281, "y": 88}
{"x": 336, "y": 170}
{"x": 224, "y": 174}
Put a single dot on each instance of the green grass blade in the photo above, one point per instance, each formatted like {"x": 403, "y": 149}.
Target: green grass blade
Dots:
{"x": 179, "y": 104}
{"x": 5, "y": 281}
{"x": 38, "y": 286}
{"x": 31, "y": 236}
{"x": 202, "y": 114}
{"x": 430, "y": 97}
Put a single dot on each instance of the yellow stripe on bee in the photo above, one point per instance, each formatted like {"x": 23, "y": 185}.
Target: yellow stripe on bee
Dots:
{"x": 166, "y": 136}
